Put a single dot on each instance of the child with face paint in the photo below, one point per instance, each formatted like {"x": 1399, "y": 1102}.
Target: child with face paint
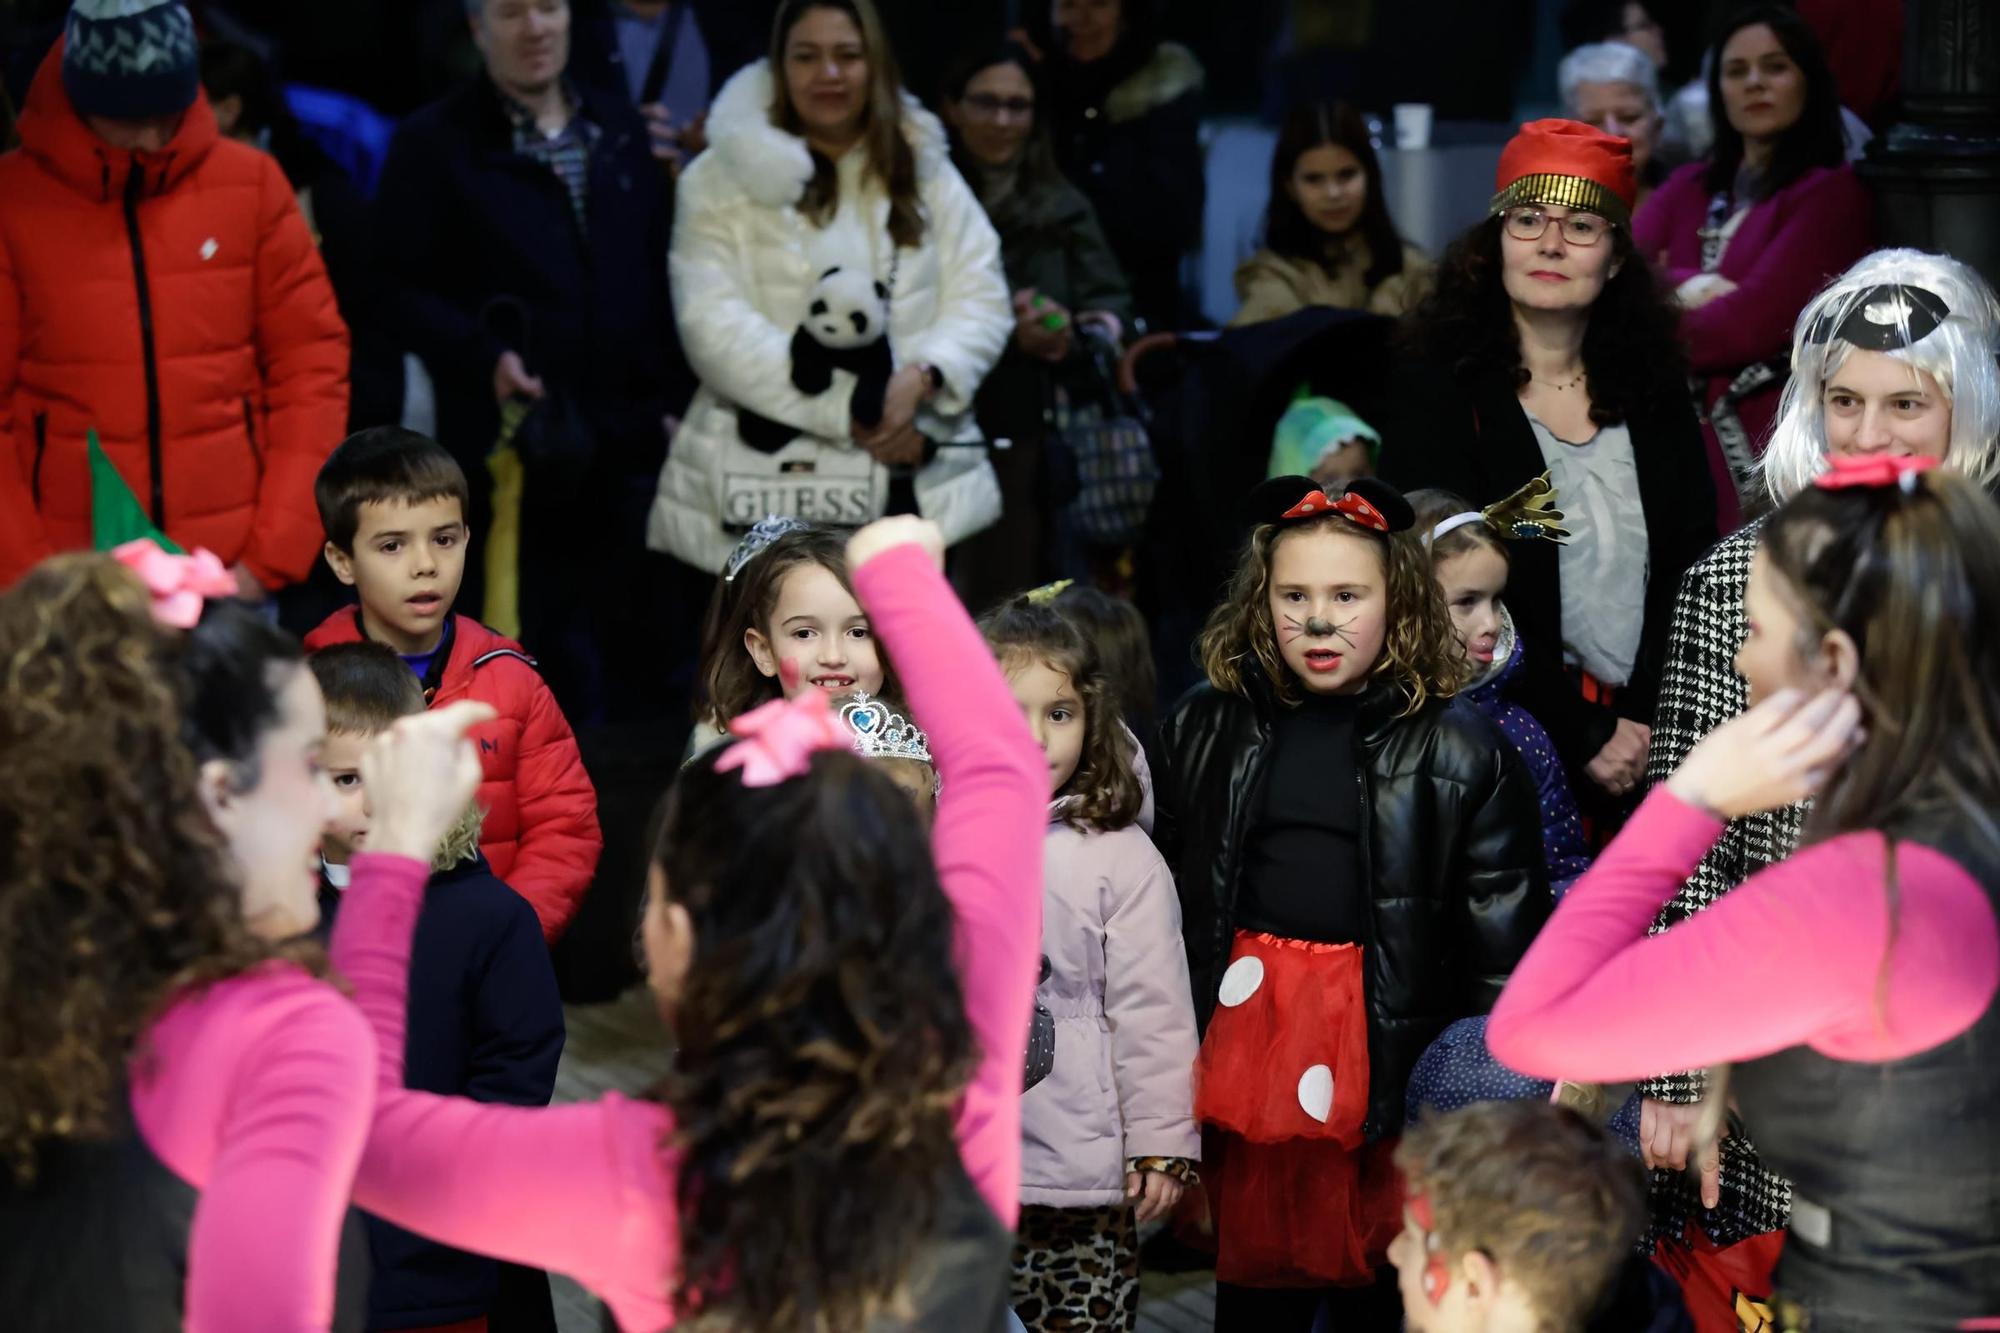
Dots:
{"x": 1359, "y": 863}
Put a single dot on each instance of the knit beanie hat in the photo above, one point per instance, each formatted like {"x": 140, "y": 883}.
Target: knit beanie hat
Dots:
{"x": 1571, "y": 165}
{"x": 130, "y": 59}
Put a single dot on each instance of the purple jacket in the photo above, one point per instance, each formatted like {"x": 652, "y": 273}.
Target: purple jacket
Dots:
{"x": 1783, "y": 251}
{"x": 1123, "y": 1081}
{"x": 1562, "y": 827}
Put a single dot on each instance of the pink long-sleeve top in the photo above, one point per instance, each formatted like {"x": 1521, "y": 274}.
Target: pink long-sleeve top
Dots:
{"x": 1791, "y": 957}
{"x": 257, "y": 1091}
{"x": 588, "y": 1190}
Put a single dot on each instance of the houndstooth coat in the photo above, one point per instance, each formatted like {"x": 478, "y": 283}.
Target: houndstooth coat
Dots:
{"x": 1699, "y": 691}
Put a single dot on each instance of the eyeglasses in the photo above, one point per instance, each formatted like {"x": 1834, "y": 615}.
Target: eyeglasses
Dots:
{"x": 989, "y": 107}
{"x": 1578, "y": 229}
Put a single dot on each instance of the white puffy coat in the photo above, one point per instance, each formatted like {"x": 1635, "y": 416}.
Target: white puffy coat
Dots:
{"x": 741, "y": 280}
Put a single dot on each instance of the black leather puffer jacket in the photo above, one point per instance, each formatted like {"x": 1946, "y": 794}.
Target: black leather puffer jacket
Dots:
{"x": 1452, "y": 852}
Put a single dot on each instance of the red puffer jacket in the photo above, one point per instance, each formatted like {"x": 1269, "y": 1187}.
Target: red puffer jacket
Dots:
{"x": 541, "y": 811}
{"x": 175, "y": 302}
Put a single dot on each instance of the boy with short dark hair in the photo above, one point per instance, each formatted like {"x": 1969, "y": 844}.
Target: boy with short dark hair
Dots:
{"x": 1521, "y": 1217}
{"x": 485, "y": 1020}
{"x": 393, "y": 505}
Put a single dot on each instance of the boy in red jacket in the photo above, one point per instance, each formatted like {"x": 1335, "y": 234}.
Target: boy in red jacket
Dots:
{"x": 393, "y": 505}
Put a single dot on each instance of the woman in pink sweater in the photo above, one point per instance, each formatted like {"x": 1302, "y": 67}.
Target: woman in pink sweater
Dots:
{"x": 843, "y": 1122}
{"x": 1853, "y": 983}
{"x": 183, "y": 1097}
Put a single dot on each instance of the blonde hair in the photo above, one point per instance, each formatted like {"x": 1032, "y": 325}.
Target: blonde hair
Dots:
{"x": 1959, "y": 354}
{"x": 1420, "y": 652}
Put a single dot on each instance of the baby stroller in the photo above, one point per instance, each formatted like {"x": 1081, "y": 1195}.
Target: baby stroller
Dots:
{"x": 1213, "y": 401}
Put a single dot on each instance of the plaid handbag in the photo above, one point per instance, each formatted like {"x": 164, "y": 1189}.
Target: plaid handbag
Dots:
{"x": 1099, "y": 446}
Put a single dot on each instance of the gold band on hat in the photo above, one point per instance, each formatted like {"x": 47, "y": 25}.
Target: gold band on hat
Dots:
{"x": 1577, "y": 192}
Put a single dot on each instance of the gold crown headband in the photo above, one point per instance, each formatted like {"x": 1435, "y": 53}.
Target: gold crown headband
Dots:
{"x": 1527, "y": 514}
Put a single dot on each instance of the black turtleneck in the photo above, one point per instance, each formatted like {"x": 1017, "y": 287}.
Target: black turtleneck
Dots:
{"x": 1302, "y": 861}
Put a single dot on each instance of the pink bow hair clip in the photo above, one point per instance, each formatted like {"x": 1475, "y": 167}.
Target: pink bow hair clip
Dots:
{"x": 179, "y": 584}
{"x": 1878, "y": 471}
{"x": 779, "y": 739}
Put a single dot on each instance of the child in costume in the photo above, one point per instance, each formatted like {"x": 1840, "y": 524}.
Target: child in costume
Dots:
{"x": 486, "y": 1021}
{"x": 1359, "y": 863}
{"x": 393, "y": 504}
{"x": 785, "y": 597}
{"x": 1109, "y": 1137}
{"x": 840, "y": 1137}
{"x": 1469, "y": 560}
{"x": 1853, "y": 982}
{"x": 1522, "y": 1216}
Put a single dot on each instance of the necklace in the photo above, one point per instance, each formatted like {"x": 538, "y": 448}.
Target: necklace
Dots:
{"x": 1559, "y": 385}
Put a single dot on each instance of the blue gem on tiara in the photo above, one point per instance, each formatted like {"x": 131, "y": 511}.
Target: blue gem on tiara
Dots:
{"x": 881, "y": 734}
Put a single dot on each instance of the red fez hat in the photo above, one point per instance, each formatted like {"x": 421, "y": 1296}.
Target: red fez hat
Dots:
{"x": 1569, "y": 164}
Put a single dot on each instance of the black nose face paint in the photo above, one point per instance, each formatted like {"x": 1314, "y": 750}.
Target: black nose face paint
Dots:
{"x": 1317, "y": 628}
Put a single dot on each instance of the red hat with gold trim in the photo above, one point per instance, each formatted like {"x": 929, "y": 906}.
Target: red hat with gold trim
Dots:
{"x": 1571, "y": 165}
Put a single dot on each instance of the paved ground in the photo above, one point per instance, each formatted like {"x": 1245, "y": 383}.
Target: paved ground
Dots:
{"x": 620, "y": 1046}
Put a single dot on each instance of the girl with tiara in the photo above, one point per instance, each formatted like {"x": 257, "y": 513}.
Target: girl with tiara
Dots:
{"x": 181, "y": 1090}
{"x": 838, "y": 1144}
{"x": 1359, "y": 864}
{"x": 1894, "y": 357}
{"x": 1854, "y": 981}
{"x": 1468, "y": 550}
{"x": 1109, "y": 1135}
{"x": 784, "y": 596}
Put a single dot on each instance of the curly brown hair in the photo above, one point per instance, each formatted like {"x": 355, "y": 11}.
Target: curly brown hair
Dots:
{"x": 1420, "y": 653}
{"x": 1104, "y": 792}
{"x": 116, "y": 891}
{"x": 823, "y": 1044}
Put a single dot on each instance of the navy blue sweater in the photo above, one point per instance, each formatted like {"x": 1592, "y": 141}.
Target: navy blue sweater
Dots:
{"x": 485, "y": 1023}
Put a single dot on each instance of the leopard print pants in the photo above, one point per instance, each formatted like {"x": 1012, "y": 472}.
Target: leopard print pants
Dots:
{"x": 1076, "y": 1270}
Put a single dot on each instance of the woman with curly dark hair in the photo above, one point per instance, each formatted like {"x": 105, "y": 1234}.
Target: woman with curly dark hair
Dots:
{"x": 1328, "y": 236}
{"x": 179, "y": 1089}
{"x": 838, "y": 1146}
{"x": 1547, "y": 348}
{"x": 1359, "y": 864}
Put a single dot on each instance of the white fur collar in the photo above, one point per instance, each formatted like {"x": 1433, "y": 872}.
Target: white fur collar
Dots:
{"x": 774, "y": 167}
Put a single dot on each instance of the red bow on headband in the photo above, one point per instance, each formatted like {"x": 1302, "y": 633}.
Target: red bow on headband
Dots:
{"x": 1350, "y": 504}
{"x": 1881, "y": 470}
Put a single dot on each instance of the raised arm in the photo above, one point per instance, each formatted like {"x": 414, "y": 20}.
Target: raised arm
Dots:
{"x": 988, "y": 837}
{"x": 1598, "y": 999}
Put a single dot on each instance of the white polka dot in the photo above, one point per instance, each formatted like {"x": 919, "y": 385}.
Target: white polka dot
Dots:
{"x": 1241, "y": 981}
{"x": 1316, "y": 1092}
{"x": 1307, "y": 506}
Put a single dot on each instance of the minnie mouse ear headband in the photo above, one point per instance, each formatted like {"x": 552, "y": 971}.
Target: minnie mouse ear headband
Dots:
{"x": 1875, "y": 473}
{"x": 1523, "y": 516}
{"x": 1371, "y": 503}
{"x": 1568, "y": 164}
{"x": 1883, "y": 318}
{"x": 180, "y": 585}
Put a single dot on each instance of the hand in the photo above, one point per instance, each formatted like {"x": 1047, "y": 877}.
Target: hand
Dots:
{"x": 907, "y": 389}
{"x": 1155, "y": 1194}
{"x": 249, "y": 587}
{"x": 1032, "y": 334}
{"x": 1621, "y": 764}
{"x": 420, "y": 775}
{"x": 900, "y": 530}
{"x": 905, "y": 448}
{"x": 1666, "y": 1132}
{"x": 511, "y": 380}
{"x": 668, "y": 141}
{"x": 1772, "y": 756}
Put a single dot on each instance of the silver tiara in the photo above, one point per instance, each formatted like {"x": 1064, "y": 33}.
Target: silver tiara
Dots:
{"x": 765, "y": 531}
{"x": 881, "y": 734}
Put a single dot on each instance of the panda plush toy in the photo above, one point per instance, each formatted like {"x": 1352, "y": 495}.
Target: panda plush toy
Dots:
{"x": 846, "y": 328}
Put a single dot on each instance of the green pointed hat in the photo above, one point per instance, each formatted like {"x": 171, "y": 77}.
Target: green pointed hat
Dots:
{"x": 116, "y": 516}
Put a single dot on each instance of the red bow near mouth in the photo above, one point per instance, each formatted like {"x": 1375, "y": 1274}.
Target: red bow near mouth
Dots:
{"x": 1350, "y": 504}
{"x": 1877, "y": 471}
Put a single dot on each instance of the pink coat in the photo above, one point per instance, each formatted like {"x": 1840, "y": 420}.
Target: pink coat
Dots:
{"x": 1123, "y": 1081}
{"x": 1784, "y": 250}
